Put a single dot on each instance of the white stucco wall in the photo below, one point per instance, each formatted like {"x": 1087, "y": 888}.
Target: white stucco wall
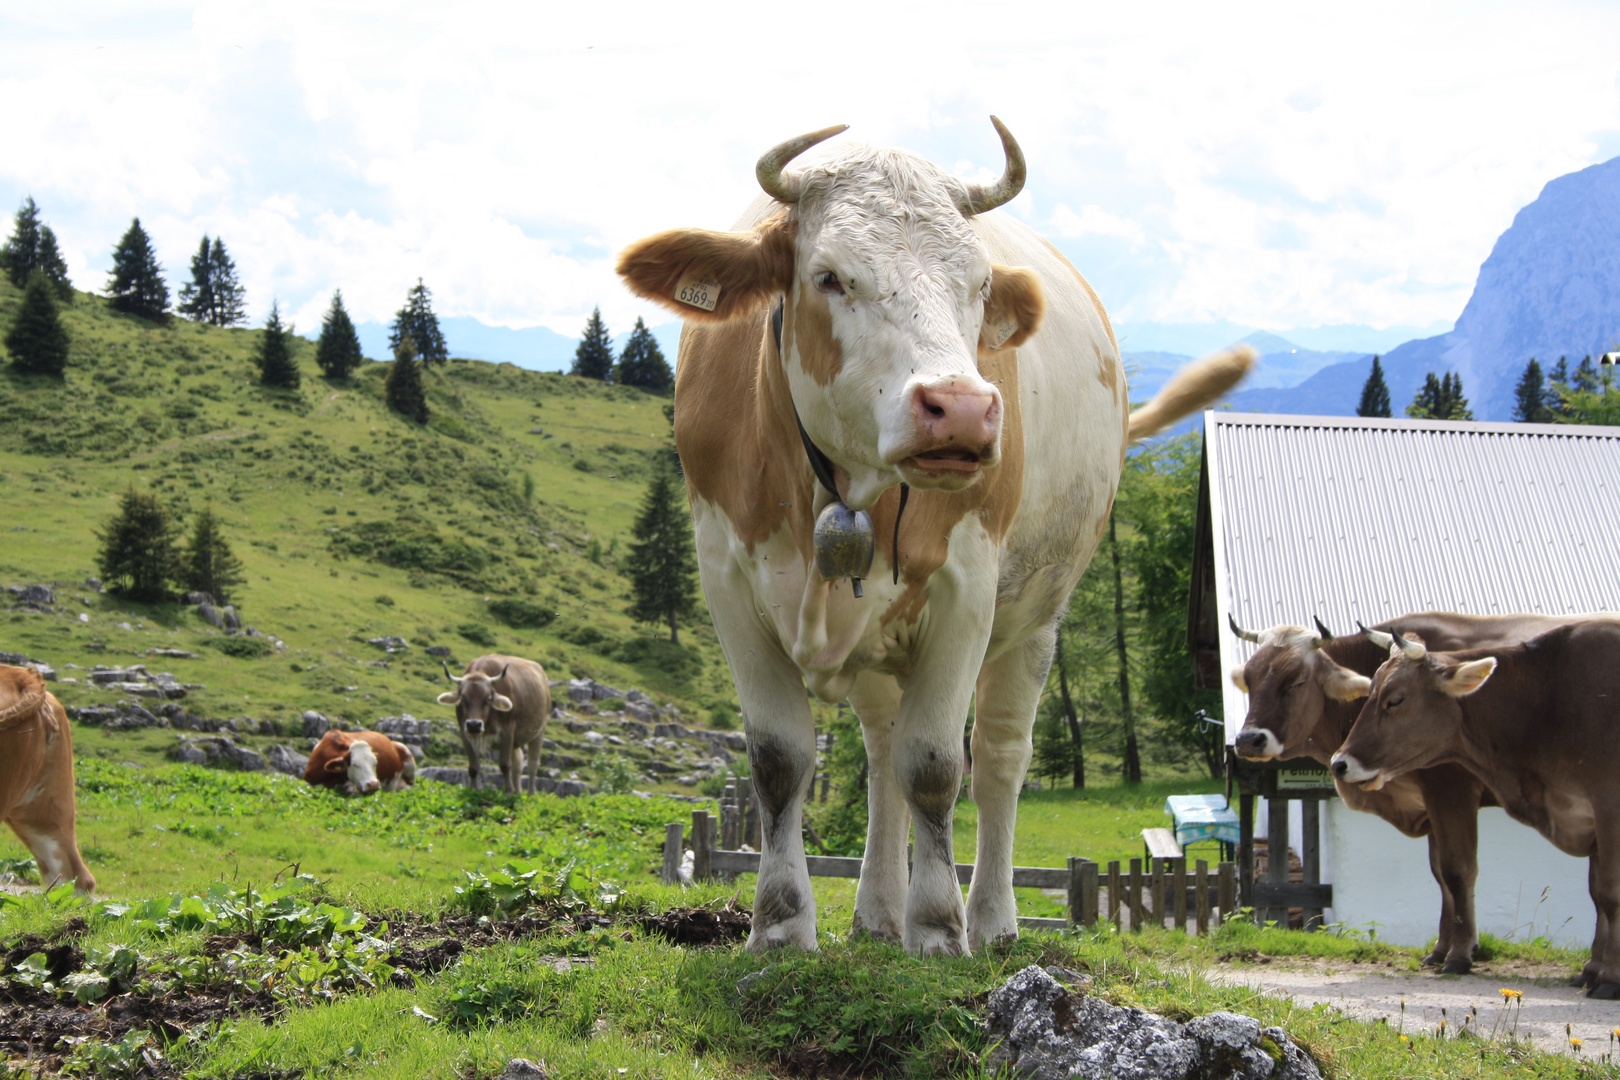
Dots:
{"x": 1380, "y": 876}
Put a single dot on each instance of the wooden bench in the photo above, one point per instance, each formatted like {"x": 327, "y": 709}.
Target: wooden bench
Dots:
{"x": 1160, "y": 844}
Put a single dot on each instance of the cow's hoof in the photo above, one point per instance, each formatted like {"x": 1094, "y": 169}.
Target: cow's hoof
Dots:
{"x": 936, "y": 941}
{"x": 777, "y": 937}
{"x": 1605, "y": 991}
{"x": 888, "y": 934}
{"x": 1457, "y": 965}
{"x": 1585, "y": 978}
{"x": 1434, "y": 959}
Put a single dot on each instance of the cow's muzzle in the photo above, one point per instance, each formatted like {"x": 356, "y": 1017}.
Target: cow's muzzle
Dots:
{"x": 475, "y": 727}
{"x": 1257, "y": 744}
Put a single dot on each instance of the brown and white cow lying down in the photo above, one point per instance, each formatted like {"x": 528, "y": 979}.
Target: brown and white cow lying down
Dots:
{"x": 502, "y": 703}
{"x": 920, "y": 340}
{"x": 1305, "y": 689}
{"x": 360, "y": 762}
{"x": 36, "y": 777}
{"x": 1536, "y": 722}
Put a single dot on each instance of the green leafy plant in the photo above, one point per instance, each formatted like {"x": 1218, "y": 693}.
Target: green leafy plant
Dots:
{"x": 477, "y": 634}
{"x": 130, "y": 1056}
{"x": 516, "y": 612}
{"x": 615, "y": 774}
{"x": 243, "y": 647}
{"x": 518, "y": 886}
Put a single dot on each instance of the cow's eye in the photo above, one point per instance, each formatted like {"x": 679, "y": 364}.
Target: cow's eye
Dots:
{"x": 1390, "y": 703}
{"x": 984, "y": 290}
{"x": 828, "y": 282}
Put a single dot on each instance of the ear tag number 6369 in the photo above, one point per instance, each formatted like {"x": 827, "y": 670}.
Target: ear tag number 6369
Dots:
{"x": 698, "y": 293}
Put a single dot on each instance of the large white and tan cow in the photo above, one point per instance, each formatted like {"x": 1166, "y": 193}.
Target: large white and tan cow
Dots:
{"x": 36, "y": 777}
{"x": 1536, "y": 722}
{"x": 507, "y": 700}
{"x": 360, "y": 763}
{"x": 922, "y": 341}
{"x": 1305, "y": 689}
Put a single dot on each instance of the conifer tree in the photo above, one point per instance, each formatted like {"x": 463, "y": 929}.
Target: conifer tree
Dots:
{"x": 1557, "y": 387}
{"x": 207, "y": 564}
{"x": 642, "y": 362}
{"x": 36, "y": 341}
{"x": 32, "y": 247}
{"x": 338, "y": 353}
{"x": 594, "y": 357}
{"x": 137, "y": 556}
{"x": 1586, "y": 379}
{"x": 417, "y": 323}
{"x": 1530, "y": 396}
{"x": 136, "y": 285}
{"x": 662, "y": 561}
{"x": 1374, "y": 393}
{"x": 213, "y": 296}
{"x": 403, "y": 390}
{"x": 1440, "y": 399}
{"x": 276, "y": 364}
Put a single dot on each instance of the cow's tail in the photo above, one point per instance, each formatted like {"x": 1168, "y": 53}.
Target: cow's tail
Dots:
{"x": 1190, "y": 389}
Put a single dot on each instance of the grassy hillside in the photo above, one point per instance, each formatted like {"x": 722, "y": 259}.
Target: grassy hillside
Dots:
{"x": 352, "y": 522}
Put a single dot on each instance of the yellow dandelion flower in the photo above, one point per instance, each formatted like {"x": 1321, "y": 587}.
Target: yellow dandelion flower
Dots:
{"x": 1405, "y": 1039}
{"x": 1576, "y": 1043}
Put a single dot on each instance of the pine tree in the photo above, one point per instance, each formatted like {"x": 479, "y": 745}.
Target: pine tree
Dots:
{"x": 213, "y": 296}
{"x": 1586, "y": 379}
{"x": 642, "y": 362}
{"x": 207, "y": 564}
{"x": 276, "y": 364}
{"x": 662, "y": 560}
{"x": 137, "y": 555}
{"x": 32, "y": 247}
{"x": 36, "y": 341}
{"x": 594, "y": 357}
{"x": 1530, "y": 397}
{"x": 136, "y": 285}
{"x": 1557, "y": 388}
{"x": 1456, "y": 406}
{"x": 417, "y": 323}
{"x": 403, "y": 390}
{"x": 338, "y": 353}
{"x": 1374, "y": 393}
{"x": 1440, "y": 399}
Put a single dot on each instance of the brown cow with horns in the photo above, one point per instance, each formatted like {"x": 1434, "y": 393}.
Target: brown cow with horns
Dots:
{"x": 510, "y": 695}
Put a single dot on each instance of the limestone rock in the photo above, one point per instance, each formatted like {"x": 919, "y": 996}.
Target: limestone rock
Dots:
{"x": 284, "y": 759}
{"x": 524, "y": 1069}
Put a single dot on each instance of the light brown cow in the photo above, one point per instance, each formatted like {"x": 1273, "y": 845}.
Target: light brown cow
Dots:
{"x": 36, "y": 777}
{"x": 1536, "y": 723}
{"x": 360, "y": 762}
{"x": 871, "y": 337}
{"x": 512, "y": 697}
{"x": 1305, "y": 689}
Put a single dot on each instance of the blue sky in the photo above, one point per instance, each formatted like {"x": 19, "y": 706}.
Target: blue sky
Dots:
{"x": 1265, "y": 164}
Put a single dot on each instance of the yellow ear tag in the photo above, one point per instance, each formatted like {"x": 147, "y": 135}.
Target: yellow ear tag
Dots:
{"x": 698, "y": 293}
{"x": 998, "y": 331}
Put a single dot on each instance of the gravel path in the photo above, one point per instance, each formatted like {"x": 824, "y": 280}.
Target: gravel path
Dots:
{"x": 1370, "y": 991}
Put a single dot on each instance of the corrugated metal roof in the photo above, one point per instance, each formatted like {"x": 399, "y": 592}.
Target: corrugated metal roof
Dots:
{"x": 1349, "y": 518}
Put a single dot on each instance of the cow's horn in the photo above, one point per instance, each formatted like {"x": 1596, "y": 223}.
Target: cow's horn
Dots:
{"x": 449, "y": 676}
{"x": 1323, "y": 634}
{"x": 501, "y": 676}
{"x": 1377, "y": 637}
{"x": 977, "y": 198}
{"x": 782, "y": 186}
{"x": 1246, "y": 635}
{"x": 1412, "y": 650}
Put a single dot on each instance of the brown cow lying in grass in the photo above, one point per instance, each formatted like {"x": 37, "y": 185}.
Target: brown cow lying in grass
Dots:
{"x": 36, "y": 777}
{"x": 360, "y": 762}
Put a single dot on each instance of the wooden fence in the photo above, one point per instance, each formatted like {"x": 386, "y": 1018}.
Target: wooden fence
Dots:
{"x": 1132, "y": 896}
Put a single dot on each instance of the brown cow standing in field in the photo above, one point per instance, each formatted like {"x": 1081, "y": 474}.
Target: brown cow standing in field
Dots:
{"x": 1536, "y": 723}
{"x": 360, "y": 762}
{"x": 511, "y": 695}
{"x": 36, "y": 777}
{"x": 1305, "y": 691}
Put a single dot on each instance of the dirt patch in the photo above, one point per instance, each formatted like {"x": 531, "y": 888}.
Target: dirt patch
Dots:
{"x": 700, "y": 926}
{"x": 1473, "y": 1002}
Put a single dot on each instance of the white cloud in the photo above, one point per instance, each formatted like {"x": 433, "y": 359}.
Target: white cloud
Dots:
{"x": 1275, "y": 165}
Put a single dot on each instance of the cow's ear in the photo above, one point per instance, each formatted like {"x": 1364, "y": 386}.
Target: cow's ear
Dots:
{"x": 501, "y": 703}
{"x": 338, "y": 764}
{"x": 1014, "y": 309}
{"x": 711, "y": 276}
{"x": 1464, "y": 679}
{"x": 1239, "y": 680}
{"x": 1342, "y": 684}
{"x": 450, "y": 697}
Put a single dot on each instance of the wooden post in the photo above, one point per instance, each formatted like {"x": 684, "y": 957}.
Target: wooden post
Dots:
{"x": 1227, "y": 892}
{"x": 1277, "y": 853}
{"x": 1245, "y": 862}
{"x": 1133, "y": 892}
{"x": 1311, "y": 819}
{"x": 1156, "y": 879}
{"x": 673, "y": 844}
{"x": 750, "y": 804}
{"x": 826, "y": 779}
{"x": 1179, "y": 869}
{"x": 702, "y": 845}
{"x": 1201, "y": 895}
{"x": 1088, "y": 893}
{"x": 1113, "y": 893}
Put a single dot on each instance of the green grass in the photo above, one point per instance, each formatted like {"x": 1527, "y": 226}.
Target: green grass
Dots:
{"x": 297, "y": 477}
